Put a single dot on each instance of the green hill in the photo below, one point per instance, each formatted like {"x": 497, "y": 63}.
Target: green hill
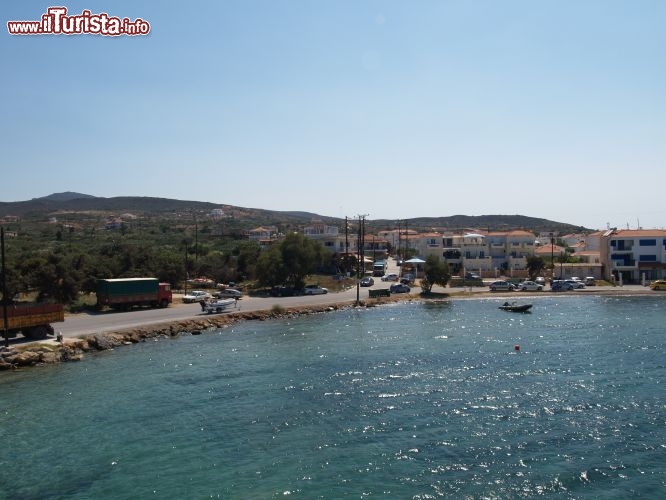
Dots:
{"x": 75, "y": 205}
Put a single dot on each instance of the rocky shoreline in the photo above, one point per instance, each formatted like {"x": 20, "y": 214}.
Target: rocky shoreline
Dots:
{"x": 74, "y": 349}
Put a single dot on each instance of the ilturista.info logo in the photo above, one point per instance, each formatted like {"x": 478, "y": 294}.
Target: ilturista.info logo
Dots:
{"x": 56, "y": 21}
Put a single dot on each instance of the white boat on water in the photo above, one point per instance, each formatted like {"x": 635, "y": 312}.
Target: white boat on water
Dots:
{"x": 220, "y": 305}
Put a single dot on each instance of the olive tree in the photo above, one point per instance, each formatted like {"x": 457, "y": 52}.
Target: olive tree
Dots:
{"x": 436, "y": 273}
{"x": 535, "y": 265}
{"x": 290, "y": 261}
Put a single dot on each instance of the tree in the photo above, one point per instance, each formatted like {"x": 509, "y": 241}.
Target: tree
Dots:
{"x": 290, "y": 261}
{"x": 535, "y": 265}
{"x": 55, "y": 277}
{"x": 247, "y": 253}
{"x": 270, "y": 268}
{"x": 436, "y": 273}
{"x": 300, "y": 257}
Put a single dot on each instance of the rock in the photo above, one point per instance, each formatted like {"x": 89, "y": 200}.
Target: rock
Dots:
{"x": 101, "y": 342}
{"x": 25, "y": 358}
{"x": 71, "y": 355}
{"x": 49, "y": 357}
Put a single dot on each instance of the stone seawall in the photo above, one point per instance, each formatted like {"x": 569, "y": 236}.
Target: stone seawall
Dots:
{"x": 74, "y": 349}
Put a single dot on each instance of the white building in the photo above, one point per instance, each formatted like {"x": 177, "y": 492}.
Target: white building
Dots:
{"x": 634, "y": 255}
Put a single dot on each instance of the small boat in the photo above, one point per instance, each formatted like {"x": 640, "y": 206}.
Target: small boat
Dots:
{"x": 218, "y": 306}
{"x": 513, "y": 307}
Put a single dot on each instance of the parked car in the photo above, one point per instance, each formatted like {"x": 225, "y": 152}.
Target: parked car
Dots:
{"x": 576, "y": 283}
{"x": 500, "y": 285}
{"x": 540, "y": 280}
{"x": 472, "y": 276}
{"x": 390, "y": 277}
{"x": 228, "y": 293}
{"x": 399, "y": 288}
{"x": 530, "y": 286}
{"x": 658, "y": 285}
{"x": 407, "y": 279}
{"x": 196, "y": 296}
{"x": 590, "y": 281}
{"x": 561, "y": 286}
{"x": 283, "y": 291}
{"x": 314, "y": 290}
{"x": 367, "y": 281}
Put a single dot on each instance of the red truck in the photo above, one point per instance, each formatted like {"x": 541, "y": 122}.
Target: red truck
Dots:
{"x": 125, "y": 293}
{"x": 32, "y": 320}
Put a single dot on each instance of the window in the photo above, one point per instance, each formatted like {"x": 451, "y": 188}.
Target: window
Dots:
{"x": 625, "y": 245}
{"x": 451, "y": 254}
{"x": 647, "y": 243}
{"x": 648, "y": 258}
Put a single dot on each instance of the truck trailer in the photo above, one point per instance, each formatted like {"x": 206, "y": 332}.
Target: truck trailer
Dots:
{"x": 32, "y": 320}
{"x": 125, "y": 293}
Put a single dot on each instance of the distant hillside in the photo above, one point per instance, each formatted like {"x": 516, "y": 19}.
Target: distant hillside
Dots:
{"x": 488, "y": 223}
{"x": 68, "y": 202}
{"x": 66, "y": 196}
{"x": 146, "y": 206}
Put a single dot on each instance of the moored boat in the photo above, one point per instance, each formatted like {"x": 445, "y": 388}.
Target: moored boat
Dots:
{"x": 514, "y": 307}
{"x": 218, "y": 306}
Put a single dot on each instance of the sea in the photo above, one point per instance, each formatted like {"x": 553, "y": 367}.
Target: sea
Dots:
{"x": 451, "y": 399}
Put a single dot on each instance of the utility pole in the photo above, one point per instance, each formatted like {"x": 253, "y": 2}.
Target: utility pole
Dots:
{"x": 196, "y": 241}
{"x": 187, "y": 274}
{"x": 361, "y": 256}
{"x": 374, "y": 256}
{"x": 398, "y": 253}
{"x": 552, "y": 258}
{"x": 5, "y": 319}
{"x": 346, "y": 244}
{"x": 406, "y": 241}
{"x": 358, "y": 264}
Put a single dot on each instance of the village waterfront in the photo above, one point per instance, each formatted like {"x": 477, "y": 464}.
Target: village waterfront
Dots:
{"x": 407, "y": 400}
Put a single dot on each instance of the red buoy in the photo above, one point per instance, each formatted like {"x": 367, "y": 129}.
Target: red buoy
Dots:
{"x": 516, "y": 347}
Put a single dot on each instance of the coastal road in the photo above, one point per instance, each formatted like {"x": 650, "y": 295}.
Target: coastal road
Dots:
{"x": 100, "y": 322}
{"x": 107, "y": 321}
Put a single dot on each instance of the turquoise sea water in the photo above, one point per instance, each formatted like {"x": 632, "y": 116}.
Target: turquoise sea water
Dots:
{"x": 403, "y": 401}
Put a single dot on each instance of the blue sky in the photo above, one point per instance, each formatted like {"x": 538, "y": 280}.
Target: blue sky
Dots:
{"x": 395, "y": 109}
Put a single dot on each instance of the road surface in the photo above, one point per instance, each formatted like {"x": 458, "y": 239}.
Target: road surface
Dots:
{"x": 107, "y": 321}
